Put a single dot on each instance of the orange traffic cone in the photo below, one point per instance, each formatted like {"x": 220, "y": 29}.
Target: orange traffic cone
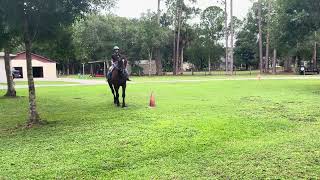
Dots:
{"x": 259, "y": 77}
{"x": 152, "y": 101}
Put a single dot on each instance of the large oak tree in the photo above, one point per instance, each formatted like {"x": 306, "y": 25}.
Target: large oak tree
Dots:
{"x": 39, "y": 20}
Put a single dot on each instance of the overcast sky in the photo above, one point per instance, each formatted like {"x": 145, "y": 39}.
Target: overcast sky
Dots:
{"x": 134, "y": 8}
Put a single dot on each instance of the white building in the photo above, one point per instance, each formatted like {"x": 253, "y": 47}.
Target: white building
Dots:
{"x": 43, "y": 68}
{"x": 188, "y": 66}
{"x": 146, "y": 65}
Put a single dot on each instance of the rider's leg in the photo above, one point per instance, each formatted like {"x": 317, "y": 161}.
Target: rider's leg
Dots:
{"x": 109, "y": 74}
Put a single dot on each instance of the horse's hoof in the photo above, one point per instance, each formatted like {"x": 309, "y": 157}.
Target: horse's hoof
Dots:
{"x": 124, "y": 106}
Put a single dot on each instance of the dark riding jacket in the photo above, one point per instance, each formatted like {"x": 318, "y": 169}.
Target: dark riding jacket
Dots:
{"x": 116, "y": 57}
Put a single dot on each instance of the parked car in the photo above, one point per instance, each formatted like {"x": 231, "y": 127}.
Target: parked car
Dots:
{"x": 16, "y": 73}
{"x": 303, "y": 70}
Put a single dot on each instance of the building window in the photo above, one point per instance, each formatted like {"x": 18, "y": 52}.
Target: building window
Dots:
{"x": 37, "y": 72}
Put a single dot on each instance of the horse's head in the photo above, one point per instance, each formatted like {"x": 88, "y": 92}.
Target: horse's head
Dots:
{"x": 121, "y": 65}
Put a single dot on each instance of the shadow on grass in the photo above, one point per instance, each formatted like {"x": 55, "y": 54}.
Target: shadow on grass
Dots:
{"x": 9, "y": 97}
{"x": 34, "y": 127}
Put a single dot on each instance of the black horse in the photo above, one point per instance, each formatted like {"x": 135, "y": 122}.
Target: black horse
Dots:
{"x": 117, "y": 80}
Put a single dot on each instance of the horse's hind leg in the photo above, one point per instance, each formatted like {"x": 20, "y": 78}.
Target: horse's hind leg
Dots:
{"x": 123, "y": 96}
{"x": 117, "y": 96}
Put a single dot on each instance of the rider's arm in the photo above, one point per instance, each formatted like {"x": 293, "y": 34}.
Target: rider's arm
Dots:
{"x": 113, "y": 58}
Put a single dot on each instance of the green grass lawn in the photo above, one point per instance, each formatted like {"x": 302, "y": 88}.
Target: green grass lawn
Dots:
{"x": 185, "y": 74}
{"x": 216, "y": 129}
{"x": 198, "y": 76}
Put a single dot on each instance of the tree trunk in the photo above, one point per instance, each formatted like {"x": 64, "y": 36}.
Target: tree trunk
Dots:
{"x": 157, "y": 50}
{"x": 178, "y": 37}
{"x": 34, "y": 117}
{"x": 11, "y": 92}
{"x": 83, "y": 70}
{"x": 260, "y": 37}
{"x": 315, "y": 52}
{"x": 209, "y": 65}
{"x": 266, "y": 68}
{"x": 91, "y": 70}
{"x": 63, "y": 69}
{"x": 232, "y": 34}
{"x": 296, "y": 62}
{"x": 287, "y": 64}
{"x": 181, "y": 60}
{"x": 226, "y": 36}
{"x": 159, "y": 12}
{"x": 68, "y": 67}
{"x": 274, "y": 62}
{"x": 150, "y": 59}
{"x": 73, "y": 71}
{"x": 266, "y": 63}
{"x": 105, "y": 69}
{"x": 174, "y": 53}
{"x": 158, "y": 62}
{"x": 174, "y": 44}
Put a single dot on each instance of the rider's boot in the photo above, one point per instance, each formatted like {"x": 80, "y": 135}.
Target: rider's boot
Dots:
{"x": 109, "y": 75}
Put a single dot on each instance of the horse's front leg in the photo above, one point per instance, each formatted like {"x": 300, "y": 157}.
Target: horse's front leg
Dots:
{"x": 112, "y": 90}
{"x": 123, "y": 96}
{"x": 117, "y": 96}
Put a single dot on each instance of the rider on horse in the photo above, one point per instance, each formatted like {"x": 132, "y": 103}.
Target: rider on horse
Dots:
{"x": 116, "y": 57}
